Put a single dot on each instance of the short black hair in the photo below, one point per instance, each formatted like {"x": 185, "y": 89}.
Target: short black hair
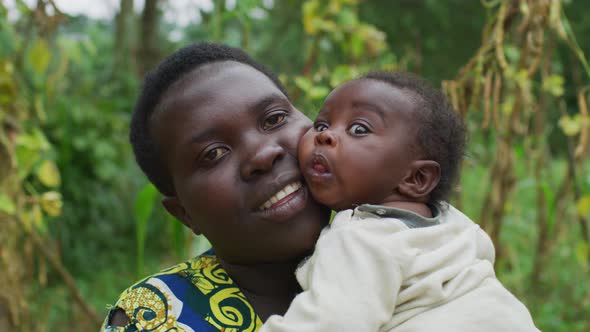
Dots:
{"x": 155, "y": 85}
{"x": 441, "y": 132}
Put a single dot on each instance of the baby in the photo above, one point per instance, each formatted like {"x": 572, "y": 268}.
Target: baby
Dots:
{"x": 385, "y": 152}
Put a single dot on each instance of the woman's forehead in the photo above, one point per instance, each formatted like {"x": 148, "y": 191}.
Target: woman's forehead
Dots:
{"x": 225, "y": 81}
{"x": 228, "y": 96}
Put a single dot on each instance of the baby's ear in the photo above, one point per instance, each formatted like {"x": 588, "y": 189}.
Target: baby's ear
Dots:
{"x": 422, "y": 178}
{"x": 173, "y": 205}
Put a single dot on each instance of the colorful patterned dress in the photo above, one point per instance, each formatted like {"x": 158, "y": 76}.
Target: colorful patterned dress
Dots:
{"x": 197, "y": 295}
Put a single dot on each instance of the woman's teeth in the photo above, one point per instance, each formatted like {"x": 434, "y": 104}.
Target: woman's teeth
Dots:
{"x": 289, "y": 189}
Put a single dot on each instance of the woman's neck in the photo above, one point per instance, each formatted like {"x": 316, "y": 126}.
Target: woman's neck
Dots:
{"x": 270, "y": 288}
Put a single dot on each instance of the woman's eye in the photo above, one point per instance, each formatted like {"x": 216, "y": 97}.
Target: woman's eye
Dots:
{"x": 273, "y": 120}
{"x": 214, "y": 154}
{"x": 320, "y": 126}
{"x": 358, "y": 129}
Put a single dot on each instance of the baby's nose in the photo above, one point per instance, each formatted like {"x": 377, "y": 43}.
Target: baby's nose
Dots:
{"x": 325, "y": 137}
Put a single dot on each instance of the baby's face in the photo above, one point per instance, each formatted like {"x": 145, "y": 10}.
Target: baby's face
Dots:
{"x": 360, "y": 146}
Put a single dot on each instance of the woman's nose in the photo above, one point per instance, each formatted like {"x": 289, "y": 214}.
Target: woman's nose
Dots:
{"x": 326, "y": 137}
{"x": 261, "y": 160}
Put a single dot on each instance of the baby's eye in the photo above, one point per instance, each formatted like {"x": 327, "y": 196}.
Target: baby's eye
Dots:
{"x": 320, "y": 126}
{"x": 215, "y": 153}
{"x": 358, "y": 130}
{"x": 273, "y": 120}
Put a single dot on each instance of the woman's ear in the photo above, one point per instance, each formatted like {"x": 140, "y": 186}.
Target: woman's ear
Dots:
{"x": 422, "y": 178}
{"x": 173, "y": 205}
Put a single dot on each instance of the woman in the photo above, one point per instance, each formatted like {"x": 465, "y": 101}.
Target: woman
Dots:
{"x": 217, "y": 135}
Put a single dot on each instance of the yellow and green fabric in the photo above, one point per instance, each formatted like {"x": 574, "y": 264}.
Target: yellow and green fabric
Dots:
{"x": 197, "y": 295}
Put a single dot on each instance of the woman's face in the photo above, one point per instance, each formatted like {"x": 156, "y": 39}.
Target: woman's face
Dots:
{"x": 229, "y": 138}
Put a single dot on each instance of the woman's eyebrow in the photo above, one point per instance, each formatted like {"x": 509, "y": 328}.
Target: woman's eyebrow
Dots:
{"x": 257, "y": 105}
{"x": 264, "y": 102}
{"x": 200, "y": 137}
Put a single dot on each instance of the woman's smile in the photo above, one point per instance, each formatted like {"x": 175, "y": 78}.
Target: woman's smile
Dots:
{"x": 281, "y": 196}
{"x": 294, "y": 198}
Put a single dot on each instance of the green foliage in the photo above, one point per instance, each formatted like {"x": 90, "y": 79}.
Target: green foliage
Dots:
{"x": 65, "y": 107}
{"x": 144, "y": 204}
{"x": 6, "y": 204}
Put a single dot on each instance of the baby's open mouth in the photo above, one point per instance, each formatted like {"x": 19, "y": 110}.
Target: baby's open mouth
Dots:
{"x": 320, "y": 164}
{"x": 320, "y": 168}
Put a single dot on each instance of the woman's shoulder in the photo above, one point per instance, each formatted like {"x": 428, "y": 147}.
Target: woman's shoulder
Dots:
{"x": 195, "y": 295}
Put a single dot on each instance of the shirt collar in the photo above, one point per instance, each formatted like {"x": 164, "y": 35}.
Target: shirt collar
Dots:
{"x": 411, "y": 219}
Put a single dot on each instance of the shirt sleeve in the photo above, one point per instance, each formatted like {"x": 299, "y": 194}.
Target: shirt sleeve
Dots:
{"x": 350, "y": 283}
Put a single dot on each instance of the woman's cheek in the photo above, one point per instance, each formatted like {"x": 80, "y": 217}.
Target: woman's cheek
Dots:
{"x": 211, "y": 194}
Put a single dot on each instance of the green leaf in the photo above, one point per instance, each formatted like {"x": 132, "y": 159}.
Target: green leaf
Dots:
{"x": 570, "y": 126}
{"x": 583, "y": 206}
{"x": 512, "y": 52}
{"x": 6, "y": 204}
{"x": 374, "y": 39}
{"x": 178, "y": 237}
{"x": 37, "y": 218}
{"x": 7, "y": 39}
{"x": 144, "y": 204}
{"x": 310, "y": 9}
{"x": 318, "y": 92}
{"x": 550, "y": 197}
{"x": 48, "y": 174}
{"x": 39, "y": 56}
{"x": 341, "y": 74}
{"x": 104, "y": 150}
{"x": 25, "y": 159}
{"x": 40, "y": 108}
{"x": 28, "y": 151}
{"x": 522, "y": 78}
{"x": 332, "y": 215}
{"x": 303, "y": 83}
{"x": 581, "y": 253}
{"x": 34, "y": 141}
{"x": 52, "y": 203}
{"x": 347, "y": 19}
{"x": 89, "y": 47}
{"x": 23, "y": 8}
{"x": 200, "y": 244}
{"x": 357, "y": 45}
{"x": 554, "y": 85}
{"x": 71, "y": 49}
{"x": 507, "y": 105}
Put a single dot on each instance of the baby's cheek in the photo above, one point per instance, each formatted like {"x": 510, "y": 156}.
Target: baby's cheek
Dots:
{"x": 305, "y": 146}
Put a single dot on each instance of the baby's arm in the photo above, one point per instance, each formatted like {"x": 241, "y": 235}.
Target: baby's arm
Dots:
{"x": 349, "y": 284}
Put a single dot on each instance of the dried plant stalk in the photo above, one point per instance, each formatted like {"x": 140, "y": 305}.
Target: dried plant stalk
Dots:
{"x": 584, "y": 143}
{"x": 499, "y": 37}
{"x": 487, "y": 92}
{"x": 496, "y": 100}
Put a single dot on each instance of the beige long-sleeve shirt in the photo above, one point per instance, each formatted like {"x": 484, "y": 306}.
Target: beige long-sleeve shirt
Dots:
{"x": 384, "y": 269}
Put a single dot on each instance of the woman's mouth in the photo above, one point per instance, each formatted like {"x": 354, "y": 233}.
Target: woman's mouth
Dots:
{"x": 281, "y": 196}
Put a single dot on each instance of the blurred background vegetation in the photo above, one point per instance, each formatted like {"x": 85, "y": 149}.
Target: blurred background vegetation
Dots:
{"x": 79, "y": 223}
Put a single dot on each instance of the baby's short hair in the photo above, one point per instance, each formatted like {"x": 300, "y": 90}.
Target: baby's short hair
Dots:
{"x": 441, "y": 133}
{"x": 156, "y": 83}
